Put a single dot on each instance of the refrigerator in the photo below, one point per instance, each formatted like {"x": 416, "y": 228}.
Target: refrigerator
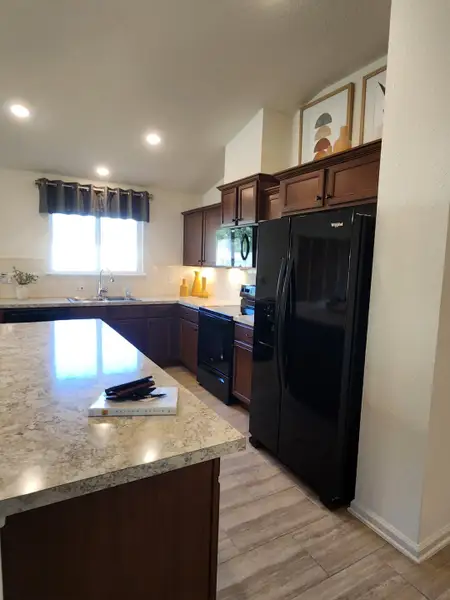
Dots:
{"x": 311, "y": 308}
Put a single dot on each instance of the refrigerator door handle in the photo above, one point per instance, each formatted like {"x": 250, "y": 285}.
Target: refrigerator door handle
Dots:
{"x": 281, "y": 338}
{"x": 281, "y": 274}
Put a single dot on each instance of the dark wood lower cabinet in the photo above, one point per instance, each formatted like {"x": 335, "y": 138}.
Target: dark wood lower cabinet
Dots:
{"x": 152, "y": 538}
{"x": 133, "y": 330}
{"x": 242, "y": 371}
{"x": 189, "y": 344}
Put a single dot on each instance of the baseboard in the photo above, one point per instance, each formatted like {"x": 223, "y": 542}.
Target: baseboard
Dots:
{"x": 416, "y": 552}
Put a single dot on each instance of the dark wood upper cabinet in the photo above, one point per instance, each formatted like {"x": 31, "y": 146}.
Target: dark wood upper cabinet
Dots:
{"x": 303, "y": 192}
{"x": 273, "y": 203}
{"x": 248, "y": 199}
{"x": 353, "y": 180}
{"x": 229, "y": 207}
{"x": 247, "y": 203}
{"x": 199, "y": 241}
{"x": 193, "y": 238}
{"x": 339, "y": 179}
{"x": 212, "y": 220}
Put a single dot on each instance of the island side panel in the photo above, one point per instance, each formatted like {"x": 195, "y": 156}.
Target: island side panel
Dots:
{"x": 152, "y": 538}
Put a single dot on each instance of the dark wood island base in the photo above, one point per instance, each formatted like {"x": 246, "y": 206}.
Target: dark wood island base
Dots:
{"x": 155, "y": 538}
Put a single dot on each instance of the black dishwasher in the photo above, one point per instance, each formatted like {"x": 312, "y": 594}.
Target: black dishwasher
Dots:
{"x": 33, "y": 315}
{"x": 215, "y": 353}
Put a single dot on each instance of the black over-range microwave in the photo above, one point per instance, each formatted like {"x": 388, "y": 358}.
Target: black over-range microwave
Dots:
{"x": 236, "y": 247}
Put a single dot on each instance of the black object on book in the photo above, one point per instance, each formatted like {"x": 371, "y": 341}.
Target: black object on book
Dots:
{"x": 134, "y": 390}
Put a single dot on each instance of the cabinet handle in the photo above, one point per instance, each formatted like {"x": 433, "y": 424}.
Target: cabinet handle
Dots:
{"x": 318, "y": 198}
{"x": 329, "y": 196}
{"x": 199, "y": 262}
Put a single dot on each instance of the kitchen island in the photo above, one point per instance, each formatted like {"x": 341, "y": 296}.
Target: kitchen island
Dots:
{"x": 108, "y": 507}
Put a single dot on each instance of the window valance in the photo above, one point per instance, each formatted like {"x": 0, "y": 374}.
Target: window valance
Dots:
{"x": 72, "y": 198}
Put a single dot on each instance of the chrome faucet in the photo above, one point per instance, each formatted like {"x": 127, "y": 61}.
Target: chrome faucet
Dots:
{"x": 101, "y": 291}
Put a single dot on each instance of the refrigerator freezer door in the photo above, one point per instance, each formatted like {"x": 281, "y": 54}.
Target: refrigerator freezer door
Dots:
{"x": 273, "y": 240}
{"x": 316, "y": 341}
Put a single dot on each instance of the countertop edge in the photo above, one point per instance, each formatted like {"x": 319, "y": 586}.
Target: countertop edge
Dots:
{"x": 63, "y": 303}
{"x": 97, "y": 483}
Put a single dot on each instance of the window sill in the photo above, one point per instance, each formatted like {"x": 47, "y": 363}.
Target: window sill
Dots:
{"x": 95, "y": 274}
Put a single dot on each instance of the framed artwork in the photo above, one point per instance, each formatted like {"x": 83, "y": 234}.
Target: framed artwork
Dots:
{"x": 372, "y": 107}
{"x": 326, "y": 124}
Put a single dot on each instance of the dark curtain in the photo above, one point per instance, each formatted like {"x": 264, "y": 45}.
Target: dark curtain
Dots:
{"x": 75, "y": 199}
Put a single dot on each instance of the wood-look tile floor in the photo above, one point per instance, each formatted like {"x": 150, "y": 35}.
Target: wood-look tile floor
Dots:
{"x": 277, "y": 542}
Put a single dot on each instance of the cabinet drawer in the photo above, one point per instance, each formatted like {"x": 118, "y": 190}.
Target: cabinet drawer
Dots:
{"x": 189, "y": 314}
{"x": 140, "y": 311}
{"x": 244, "y": 334}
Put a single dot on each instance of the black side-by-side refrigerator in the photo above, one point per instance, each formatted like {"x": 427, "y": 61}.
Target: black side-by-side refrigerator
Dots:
{"x": 312, "y": 299}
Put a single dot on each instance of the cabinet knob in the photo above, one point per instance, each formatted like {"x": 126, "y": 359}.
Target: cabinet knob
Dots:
{"x": 199, "y": 262}
{"x": 329, "y": 196}
{"x": 318, "y": 198}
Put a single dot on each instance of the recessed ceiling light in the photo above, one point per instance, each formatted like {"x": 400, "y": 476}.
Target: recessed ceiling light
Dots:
{"x": 20, "y": 111}
{"x": 102, "y": 171}
{"x": 153, "y": 139}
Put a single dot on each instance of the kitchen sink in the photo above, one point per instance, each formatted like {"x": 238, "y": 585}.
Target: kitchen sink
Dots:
{"x": 105, "y": 299}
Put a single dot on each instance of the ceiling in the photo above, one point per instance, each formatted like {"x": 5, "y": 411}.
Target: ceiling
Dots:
{"x": 99, "y": 74}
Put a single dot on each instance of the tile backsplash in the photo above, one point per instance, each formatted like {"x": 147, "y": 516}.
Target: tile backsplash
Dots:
{"x": 223, "y": 284}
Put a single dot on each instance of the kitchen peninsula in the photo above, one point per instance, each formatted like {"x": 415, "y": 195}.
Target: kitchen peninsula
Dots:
{"x": 102, "y": 508}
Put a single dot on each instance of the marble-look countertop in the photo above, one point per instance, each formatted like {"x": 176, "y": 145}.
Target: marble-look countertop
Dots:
{"x": 58, "y": 302}
{"x": 191, "y": 301}
{"x": 50, "y": 373}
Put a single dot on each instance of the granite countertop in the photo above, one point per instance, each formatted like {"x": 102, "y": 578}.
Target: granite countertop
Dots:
{"x": 50, "y": 373}
{"x": 215, "y": 303}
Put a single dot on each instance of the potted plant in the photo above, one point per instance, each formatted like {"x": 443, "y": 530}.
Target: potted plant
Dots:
{"x": 23, "y": 280}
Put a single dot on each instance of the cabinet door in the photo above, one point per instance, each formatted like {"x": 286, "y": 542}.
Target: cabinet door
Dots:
{"x": 160, "y": 341}
{"x": 133, "y": 330}
{"x": 229, "y": 207}
{"x": 211, "y": 222}
{"x": 274, "y": 206}
{"x": 302, "y": 192}
{"x": 353, "y": 181}
{"x": 247, "y": 203}
{"x": 189, "y": 345}
{"x": 242, "y": 372}
{"x": 193, "y": 239}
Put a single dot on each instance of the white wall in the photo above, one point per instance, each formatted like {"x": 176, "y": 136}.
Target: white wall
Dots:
{"x": 212, "y": 196}
{"x": 243, "y": 152}
{"x": 403, "y": 485}
{"x": 276, "y": 141}
{"x": 24, "y": 240}
{"x": 357, "y": 79}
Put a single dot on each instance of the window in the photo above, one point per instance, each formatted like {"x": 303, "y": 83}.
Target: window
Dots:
{"x": 87, "y": 244}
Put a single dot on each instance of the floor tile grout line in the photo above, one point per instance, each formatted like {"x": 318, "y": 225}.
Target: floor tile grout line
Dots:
{"x": 351, "y": 564}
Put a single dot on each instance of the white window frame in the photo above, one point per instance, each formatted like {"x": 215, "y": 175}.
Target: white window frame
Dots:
{"x": 140, "y": 248}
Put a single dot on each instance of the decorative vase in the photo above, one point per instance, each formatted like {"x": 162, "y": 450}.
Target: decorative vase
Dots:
{"x": 196, "y": 286}
{"x": 204, "y": 293}
{"x": 184, "y": 291}
{"x": 343, "y": 141}
{"x": 22, "y": 292}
